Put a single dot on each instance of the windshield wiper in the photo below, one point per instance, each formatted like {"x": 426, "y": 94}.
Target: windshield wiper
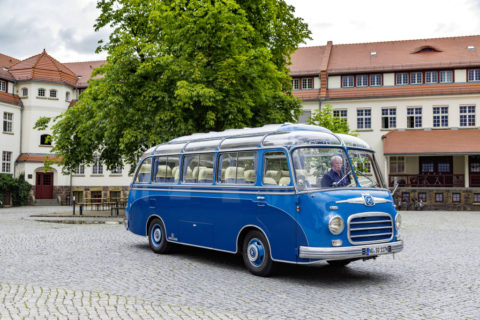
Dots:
{"x": 335, "y": 184}
{"x": 374, "y": 184}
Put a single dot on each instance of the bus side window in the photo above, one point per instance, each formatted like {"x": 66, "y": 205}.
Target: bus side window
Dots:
{"x": 198, "y": 168}
{"x": 166, "y": 169}
{"x": 237, "y": 168}
{"x": 143, "y": 175}
{"x": 275, "y": 169}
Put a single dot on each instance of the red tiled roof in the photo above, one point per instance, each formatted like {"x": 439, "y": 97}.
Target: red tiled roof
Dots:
{"x": 6, "y": 61}
{"x": 26, "y": 157}
{"x": 460, "y": 141}
{"x": 45, "y": 68}
{"x": 4, "y": 74}
{"x": 307, "y": 94}
{"x": 399, "y": 91}
{"x": 307, "y": 61}
{"x": 10, "y": 98}
{"x": 84, "y": 70}
{"x": 405, "y": 55}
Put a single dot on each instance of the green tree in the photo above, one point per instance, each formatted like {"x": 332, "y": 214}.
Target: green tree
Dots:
{"x": 18, "y": 187}
{"x": 324, "y": 118}
{"x": 176, "y": 67}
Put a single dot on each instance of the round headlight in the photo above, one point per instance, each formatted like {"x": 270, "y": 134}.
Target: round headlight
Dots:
{"x": 398, "y": 221}
{"x": 336, "y": 225}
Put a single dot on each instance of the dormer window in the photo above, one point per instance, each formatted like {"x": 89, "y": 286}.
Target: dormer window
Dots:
{"x": 3, "y": 86}
{"x": 302, "y": 83}
{"x": 53, "y": 93}
{"x": 426, "y": 49}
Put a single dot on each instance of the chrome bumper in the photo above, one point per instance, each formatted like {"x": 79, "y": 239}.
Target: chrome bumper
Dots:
{"x": 353, "y": 252}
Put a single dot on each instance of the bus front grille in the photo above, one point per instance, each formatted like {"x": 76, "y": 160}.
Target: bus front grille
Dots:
{"x": 370, "y": 227}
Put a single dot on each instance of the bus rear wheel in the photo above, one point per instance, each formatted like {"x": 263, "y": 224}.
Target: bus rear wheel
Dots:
{"x": 256, "y": 254}
{"x": 157, "y": 237}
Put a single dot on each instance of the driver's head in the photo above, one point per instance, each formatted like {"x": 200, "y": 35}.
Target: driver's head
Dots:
{"x": 336, "y": 164}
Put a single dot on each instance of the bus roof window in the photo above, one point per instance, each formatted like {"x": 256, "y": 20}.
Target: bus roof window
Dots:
{"x": 300, "y": 138}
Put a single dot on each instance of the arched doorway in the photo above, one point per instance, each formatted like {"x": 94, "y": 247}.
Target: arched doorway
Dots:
{"x": 44, "y": 185}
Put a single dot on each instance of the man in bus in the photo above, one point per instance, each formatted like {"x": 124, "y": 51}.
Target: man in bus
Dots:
{"x": 335, "y": 177}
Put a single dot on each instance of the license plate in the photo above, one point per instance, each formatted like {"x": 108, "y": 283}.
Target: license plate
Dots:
{"x": 376, "y": 250}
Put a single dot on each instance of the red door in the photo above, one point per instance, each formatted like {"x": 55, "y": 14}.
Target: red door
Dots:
{"x": 44, "y": 187}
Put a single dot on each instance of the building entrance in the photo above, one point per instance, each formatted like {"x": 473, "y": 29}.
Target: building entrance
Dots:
{"x": 44, "y": 185}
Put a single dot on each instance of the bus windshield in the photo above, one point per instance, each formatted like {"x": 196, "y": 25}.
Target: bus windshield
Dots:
{"x": 329, "y": 168}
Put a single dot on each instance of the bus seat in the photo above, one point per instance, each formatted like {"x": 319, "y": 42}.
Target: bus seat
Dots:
{"x": 175, "y": 173}
{"x": 188, "y": 175}
{"x": 284, "y": 181}
{"x": 276, "y": 175}
{"x": 269, "y": 181}
{"x": 285, "y": 173}
{"x": 195, "y": 173}
{"x": 205, "y": 175}
{"x": 250, "y": 176}
{"x": 164, "y": 173}
{"x": 233, "y": 172}
{"x": 222, "y": 177}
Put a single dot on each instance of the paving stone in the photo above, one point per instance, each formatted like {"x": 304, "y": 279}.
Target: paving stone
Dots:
{"x": 101, "y": 271}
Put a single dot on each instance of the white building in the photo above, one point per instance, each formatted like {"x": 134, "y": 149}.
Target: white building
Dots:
{"x": 40, "y": 86}
{"x": 416, "y": 102}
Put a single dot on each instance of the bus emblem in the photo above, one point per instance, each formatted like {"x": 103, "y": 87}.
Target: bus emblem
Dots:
{"x": 368, "y": 199}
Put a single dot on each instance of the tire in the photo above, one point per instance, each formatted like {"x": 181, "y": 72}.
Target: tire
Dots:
{"x": 256, "y": 254}
{"x": 339, "y": 263}
{"x": 157, "y": 237}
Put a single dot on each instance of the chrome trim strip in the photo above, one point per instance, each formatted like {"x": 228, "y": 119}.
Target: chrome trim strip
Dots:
{"x": 368, "y": 214}
{"x": 360, "y": 200}
{"x": 216, "y": 191}
{"x": 342, "y": 253}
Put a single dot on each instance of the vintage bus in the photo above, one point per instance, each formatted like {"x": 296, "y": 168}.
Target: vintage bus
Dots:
{"x": 268, "y": 193}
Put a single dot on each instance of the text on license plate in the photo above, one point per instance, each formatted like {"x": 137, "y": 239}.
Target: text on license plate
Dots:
{"x": 376, "y": 250}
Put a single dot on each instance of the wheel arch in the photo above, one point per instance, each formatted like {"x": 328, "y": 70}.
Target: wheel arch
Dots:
{"x": 243, "y": 233}
{"x": 150, "y": 219}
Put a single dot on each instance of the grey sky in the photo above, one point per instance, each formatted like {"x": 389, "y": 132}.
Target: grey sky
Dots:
{"x": 65, "y": 28}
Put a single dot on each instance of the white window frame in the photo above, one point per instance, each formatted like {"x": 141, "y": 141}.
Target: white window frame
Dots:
{"x": 296, "y": 84}
{"x": 53, "y": 93}
{"x": 6, "y": 161}
{"x": 467, "y": 115}
{"x": 41, "y": 92}
{"x": 397, "y": 164}
{"x": 440, "y": 116}
{"x": 446, "y": 76}
{"x": 416, "y": 78}
{"x": 348, "y": 81}
{"x": 376, "y": 80}
{"x": 7, "y": 122}
{"x": 364, "y": 118}
{"x": 362, "y": 80}
{"x": 402, "y": 78}
{"x": 431, "y": 77}
{"x": 24, "y": 92}
{"x": 473, "y": 75}
{"x": 415, "y": 113}
{"x": 307, "y": 83}
{"x": 97, "y": 167}
{"x": 3, "y": 85}
{"x": 341, "y": 114}
{"x": 79, "y": 170}
{"x": 389, "y": 118}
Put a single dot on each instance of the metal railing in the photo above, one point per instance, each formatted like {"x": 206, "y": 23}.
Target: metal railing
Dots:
{"x": 428, "y": 180}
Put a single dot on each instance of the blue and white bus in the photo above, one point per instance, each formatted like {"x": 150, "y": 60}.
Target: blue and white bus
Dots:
{"x": 279, "y": 193}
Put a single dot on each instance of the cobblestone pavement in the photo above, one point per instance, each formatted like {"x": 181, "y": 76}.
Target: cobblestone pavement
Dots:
{"x": 101, "y": 271}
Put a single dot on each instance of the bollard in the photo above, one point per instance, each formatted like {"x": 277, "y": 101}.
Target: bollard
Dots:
{"x": 81, "y": 210}
{"x": 73, "y": 205}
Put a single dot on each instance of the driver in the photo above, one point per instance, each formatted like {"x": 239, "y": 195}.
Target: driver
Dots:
{"x": 335, "y": 177}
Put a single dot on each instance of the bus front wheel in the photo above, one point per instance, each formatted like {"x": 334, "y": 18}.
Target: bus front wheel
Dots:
{"x": 157, "y": 237}
{"x": 256, "y": 254}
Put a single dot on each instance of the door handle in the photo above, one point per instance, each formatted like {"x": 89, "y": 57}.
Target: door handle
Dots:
{"x": 260, "y": 198}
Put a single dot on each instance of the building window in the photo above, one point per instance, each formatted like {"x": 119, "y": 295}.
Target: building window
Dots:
{"x": 467, "y": 116}
{"x": 406, "y": 196}
{"x": 476, "y": 197}
{"x": 7, "y": 122}
{"x": 97, "y": 166}
{"x": 401, "y": 78}
{"x": 41, "y": 92}
{"x": 456, "y": 197}
{"x": 303, "y": 118}
{"x": 438, "y": 197}
{"x": 96, "y": 196}
{"x": 362, "y": 80}
{"x": 3, "y": 86}
{"x": 115, "y": 195}
{"x": 79, "y": 170}
{"x": 24, "y": 92}
{"x": 440, "y": 117}
{"x": 414, "y": 117}
{"x": 416, "y": 78}
{"x": 389, "y": 118}
{"x": 422, "y": 196}
{"x": 474, "y": 75}
{"x": 6, "y": 161}
{"x": 341, "y": 114}
{"x": 296, "y": 84}
{"x": 446, "y": 76}
{"x": 67, "y": 96}
{"x": 375, "y": 80}
{"x": 397, "y": 164}
{"x": 53, "y": 93}
{"x": 364, "y": 118}
{"x": 46, "y": 140}
{"x": 307, "y": 83}
{"x": 347, "y": 82}
{"x": 117, "y": 170}
{"x": 431, "y": 77}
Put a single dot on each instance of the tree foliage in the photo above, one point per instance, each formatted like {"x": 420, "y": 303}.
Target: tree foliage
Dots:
{"x": 176, "y": 67}
{"x": 324, "y": 118}
{"x": 17, "y": 186}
